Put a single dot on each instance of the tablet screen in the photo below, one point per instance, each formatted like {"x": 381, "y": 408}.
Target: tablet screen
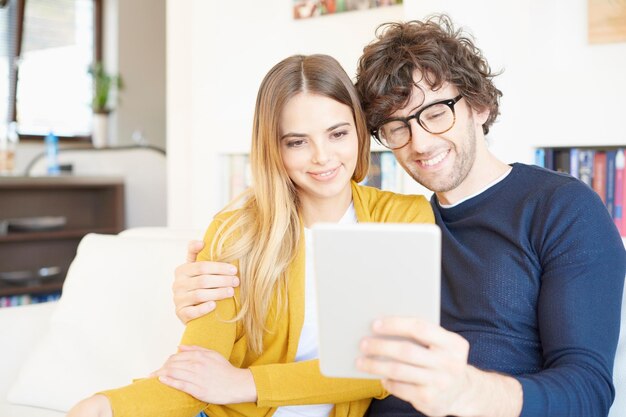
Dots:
{"x": 368, "y": 271}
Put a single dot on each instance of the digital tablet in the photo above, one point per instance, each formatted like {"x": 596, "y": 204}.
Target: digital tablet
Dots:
{"x": 368, "y": 271}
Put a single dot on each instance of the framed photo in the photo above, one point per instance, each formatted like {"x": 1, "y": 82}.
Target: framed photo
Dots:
{"x": 607, "y": 21}
{"x": 303, "y": 9}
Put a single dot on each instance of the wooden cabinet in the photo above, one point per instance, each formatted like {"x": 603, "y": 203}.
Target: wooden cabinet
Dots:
{"x": 88, "y": 204}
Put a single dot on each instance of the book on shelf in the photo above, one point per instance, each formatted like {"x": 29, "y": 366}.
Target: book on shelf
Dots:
{"x": 574, "y": 162}
{"x": 384, "y": 172}
{"x": 598, "y": 179}
{"x": 610, "y": 182}
{"x": 549, "y": 158}
{"x": 374, "y": 174}
{"x": 540, "y": 157}
{"x": 562, "y": 161}
{"x": 618, "y": 213}
{"x": 602, "y": 169}
{"x": 237, "y": 176}
{"x": 25, "y": 299}
{"x": 585, "y": 166}
{"x": 390, "y": 172}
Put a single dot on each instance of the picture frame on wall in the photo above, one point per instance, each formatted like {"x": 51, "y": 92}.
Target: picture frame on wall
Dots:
{"x": 304, "y": 9}
{"x": 607, "y": 21}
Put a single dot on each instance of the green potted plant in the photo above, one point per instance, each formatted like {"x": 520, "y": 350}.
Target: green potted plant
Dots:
{"x": 103, "y": 85}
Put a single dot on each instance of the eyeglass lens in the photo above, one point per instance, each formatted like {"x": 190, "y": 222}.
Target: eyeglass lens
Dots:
{"x": 435, "y": 119}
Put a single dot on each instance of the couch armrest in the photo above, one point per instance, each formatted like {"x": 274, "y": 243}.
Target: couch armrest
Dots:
{"x": 21, "y": 328}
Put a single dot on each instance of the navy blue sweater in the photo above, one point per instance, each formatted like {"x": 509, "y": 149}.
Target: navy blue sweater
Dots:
{"x": 532, "y": 276}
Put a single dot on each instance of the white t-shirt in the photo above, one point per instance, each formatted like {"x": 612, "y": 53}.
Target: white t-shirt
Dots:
{"x": 308, "y": 343}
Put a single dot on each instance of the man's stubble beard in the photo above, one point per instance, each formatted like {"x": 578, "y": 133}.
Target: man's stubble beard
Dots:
{"x": 463, "y": 164}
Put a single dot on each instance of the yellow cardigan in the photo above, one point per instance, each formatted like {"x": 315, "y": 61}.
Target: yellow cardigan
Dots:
{"x": 279, "y": 380}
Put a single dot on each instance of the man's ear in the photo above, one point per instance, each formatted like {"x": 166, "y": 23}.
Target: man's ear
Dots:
{"x": 481, "y": 116}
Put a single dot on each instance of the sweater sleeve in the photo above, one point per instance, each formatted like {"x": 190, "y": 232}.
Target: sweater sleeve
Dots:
{"x": 301, "y": 383}
{"x": 149, "y": 397}
{"x": 583, "y": 263}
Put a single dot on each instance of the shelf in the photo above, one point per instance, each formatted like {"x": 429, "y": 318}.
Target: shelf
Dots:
{"x": 548, "y": 145}
{"x": 88, "y": 204}
{"x": 63, "y": 181}
{"x": 54, "y": 234}
{"x": 53, "y": 285}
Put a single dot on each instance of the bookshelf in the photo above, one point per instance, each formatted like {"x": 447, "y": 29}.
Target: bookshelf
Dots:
{"x": 385, "y": 173}
{"x": 86, "y": 204}
{"x": 600, "y": 167}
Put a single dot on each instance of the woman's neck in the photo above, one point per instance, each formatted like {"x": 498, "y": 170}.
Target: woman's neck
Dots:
{"x": 327, "y": 210}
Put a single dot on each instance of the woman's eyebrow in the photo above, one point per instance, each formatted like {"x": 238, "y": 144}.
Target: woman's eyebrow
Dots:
{"x": 293, "y": 134}
{"x": 333, "y": 127}
{"x": 303, "y": 135}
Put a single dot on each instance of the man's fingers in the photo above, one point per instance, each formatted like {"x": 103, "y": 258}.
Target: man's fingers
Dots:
{"x": 394, "y": 370}
{"x": 192, "y": 312}
{"x": 197, "y": 303}
{"x": 421, "y": 331}
{"x": 213, "y": 281}
{"x": 205, "y": 268}
{"x": 190, "y": 348}
{"x": 193, "y": 249}
{"x": 183, "y": 288}
{"x": 402, "y": 390}
{"x": 200, "y": 296}
{"x": 402, "y": 350}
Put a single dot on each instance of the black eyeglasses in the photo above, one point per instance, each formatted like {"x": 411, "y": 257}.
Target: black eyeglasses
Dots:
{"x": 436, "y": 118}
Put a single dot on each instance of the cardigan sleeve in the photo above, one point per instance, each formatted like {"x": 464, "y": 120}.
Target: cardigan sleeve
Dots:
{"x": 149, "y": 397}
{"x": 301, "y": 383}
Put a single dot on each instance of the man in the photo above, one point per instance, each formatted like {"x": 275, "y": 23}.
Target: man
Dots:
{"x": 533, "y": 268}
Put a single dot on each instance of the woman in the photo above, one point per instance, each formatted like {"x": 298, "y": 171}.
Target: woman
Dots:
{"x": 309, "y": 147}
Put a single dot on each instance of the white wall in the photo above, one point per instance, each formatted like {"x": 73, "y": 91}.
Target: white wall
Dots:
{"x": 557, "y": 89}
{"x": 135, "y": 47}
{"x": 179, "y": 107}
{"x": 226, "y": 48}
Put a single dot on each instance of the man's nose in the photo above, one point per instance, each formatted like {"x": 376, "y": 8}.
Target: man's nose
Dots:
{"x": 421, "y": 139}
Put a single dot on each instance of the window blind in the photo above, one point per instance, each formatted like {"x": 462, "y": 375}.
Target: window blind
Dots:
{"x": 8, "y": 19}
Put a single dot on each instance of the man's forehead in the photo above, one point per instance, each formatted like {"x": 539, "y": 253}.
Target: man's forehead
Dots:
{"x": 424, "y": 93}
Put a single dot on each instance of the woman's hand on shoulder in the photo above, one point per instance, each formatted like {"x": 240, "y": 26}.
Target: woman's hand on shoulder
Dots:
{"x": 96, "y": 406}
{"x": 198, "y": 285}
{"x": 207, "y": 376}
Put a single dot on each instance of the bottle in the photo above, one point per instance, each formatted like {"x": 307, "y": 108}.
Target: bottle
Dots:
{"x": 8, "y": 143}
{"x": 52, "y": 154}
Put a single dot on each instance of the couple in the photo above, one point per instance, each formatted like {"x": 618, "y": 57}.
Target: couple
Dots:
{"x": 532, "y": 273}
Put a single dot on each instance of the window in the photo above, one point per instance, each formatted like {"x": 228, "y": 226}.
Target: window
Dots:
{"x": 8, "y": 13}
{"x": 58, "y": 44}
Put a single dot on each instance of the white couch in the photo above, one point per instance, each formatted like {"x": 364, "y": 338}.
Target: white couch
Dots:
{"x": 115, "y": 322}
{"x": 120, "y": 313}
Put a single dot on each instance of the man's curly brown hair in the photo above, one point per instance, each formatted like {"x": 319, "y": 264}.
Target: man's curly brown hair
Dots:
{"x": 439, "y": 52}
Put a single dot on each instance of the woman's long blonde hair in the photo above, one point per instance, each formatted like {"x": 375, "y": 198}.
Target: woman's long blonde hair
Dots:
{"x": 264, "y": 237}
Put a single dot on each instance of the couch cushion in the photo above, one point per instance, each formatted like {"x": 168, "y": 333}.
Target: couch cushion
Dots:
{"x": 8, "y": 410}
{"x": 114, "y": 322}
{"x": 23, "y": 327}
